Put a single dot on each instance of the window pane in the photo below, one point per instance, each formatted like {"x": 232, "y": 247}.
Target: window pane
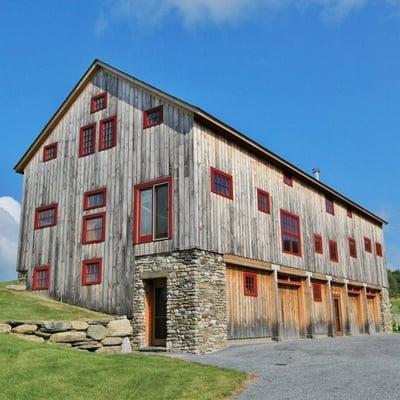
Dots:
{"x": 94, "y": 229}
{"x": 95, "y": 200}
{"x": 161, "y": 193}
{"x": 108, "y": 134}
{"x": 47, "y": 217}
{"x": 88, "y": 141}
{"x": 92, "y": 273}
{"x": 146, "y": 212}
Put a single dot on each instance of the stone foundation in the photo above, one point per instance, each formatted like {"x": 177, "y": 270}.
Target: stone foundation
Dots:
{"x": 386, "y": 315}
{"x": 22, "y": 277}
{"x": 196, "y": 300}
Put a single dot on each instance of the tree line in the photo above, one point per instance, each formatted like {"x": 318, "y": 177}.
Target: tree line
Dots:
{"x": 394, "y": 283}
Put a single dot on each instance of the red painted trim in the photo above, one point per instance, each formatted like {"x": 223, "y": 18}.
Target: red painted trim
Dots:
{"x": 45, "y": 158}
{"x": 101, "y": 132}
{"x": 254, "y": 292}
{"x": 331, "y": 257}
{"x": 318, "y": 244}
{"x": 290, "y": 234}
{"x": 214, "y": 173}
{"x": 81, "y": 132}
{"x": 317, "y": 292}
{"x": 93, "y": 102}
{"x": 287, "y": 179}
{"x": 146, "y": 123}
{"x": 37, "y": 269}
{"x": 349, "y": 213}
{"x": 86, "y": 196}
{"x": 38, "y": 210}
{"x": 84, "y": 227}
{"x": 352, "y": 248}
{"x": 85, "y": 264}
{"x": 329, "y": 206}
{"x": 263, "y": 193}
{"x": 367, "y": 244}
{"x": 378, "y": 249}
{"x": 137, "y": 238}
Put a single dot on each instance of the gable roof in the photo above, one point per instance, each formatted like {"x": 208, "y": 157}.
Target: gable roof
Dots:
{"x": 201, "y": 117}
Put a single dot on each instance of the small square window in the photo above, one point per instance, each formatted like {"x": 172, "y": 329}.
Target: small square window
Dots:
{"x": 250, "y": 284}
{"x": 317, "y": 292}
{"x": 108, "y": 133}
{"x": 87, "y": 140}
{"x": 288, "y": 179}
{"x": 46, "y": 216}
{"x": 329, "y": 206}
{"x": 349, "y": 213}
{"x": 50, "y": 152}
{"x": 94, "y": 199}
{"x": 352, "y": 248}
{"x": 93, "y": 230}
{"x": 367, "y": 245}
{"x": 41, "y": 278}
{"x": 98, "y": 102}
{"x": 91, "y": 272}
{"x": 221, "y": 183}
{"x": 263, "y": 201}
{"x": 318, "y": 247}
{"x": 333, "y": 251}
{"x": 378, "y": 248}
{"x": 153, "y": 117}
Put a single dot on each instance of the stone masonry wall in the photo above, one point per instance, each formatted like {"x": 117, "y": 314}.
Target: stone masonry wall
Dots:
{"x": 386, "y": 315}
{"x": 196, "y": 300}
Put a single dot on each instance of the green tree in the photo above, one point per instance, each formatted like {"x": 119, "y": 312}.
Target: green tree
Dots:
{"x": 394, "y": 283}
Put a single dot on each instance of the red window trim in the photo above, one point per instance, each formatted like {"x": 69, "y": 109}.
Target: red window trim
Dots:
{"x": 378, "y": 249}
{"x": 216, "y": 171}
{"x": 34, "y": 278}
{"x": 84, "y": 227}
{"x": 352, "y": 248}
{"x": 287, "y": 213}
{"x": 146, "y": 123}
{"x": 90, "y": 193}
{"x": 45, "y": 158}
{"x": 81, "y": 154}
{"x": 349, "y": 213}
{"x": 289, "y": 280}
{"x": 318, "y": 238}
{"x": 101, "y": 132}
{"x": 288, "y": 179}
{"x": 45, "y": 208}
{"x": 85, "y": 263}
{"x": 260, "y": 193}
{"x": 335, "y": 259}
{"x": 93, "y": 102}
{"x": 327, "y": 208}
{"x": 137, "y": 239}
{"x": 367, "y": 245}
{"x": 317, "y": 292}
{"x": 246, "y": 292}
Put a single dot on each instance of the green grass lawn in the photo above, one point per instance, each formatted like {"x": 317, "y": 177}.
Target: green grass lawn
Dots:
{"x": 395, "y": 305}
{"x": 30, "y": 371}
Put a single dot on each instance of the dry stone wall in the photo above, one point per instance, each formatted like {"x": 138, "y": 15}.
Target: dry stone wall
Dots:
{"x": 386, "y": 314}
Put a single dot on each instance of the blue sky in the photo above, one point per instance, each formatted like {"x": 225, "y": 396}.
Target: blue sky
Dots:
{"x": 316, "y": 81}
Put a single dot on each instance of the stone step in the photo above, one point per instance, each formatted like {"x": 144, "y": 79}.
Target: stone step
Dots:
{"x": 152, "y": 349}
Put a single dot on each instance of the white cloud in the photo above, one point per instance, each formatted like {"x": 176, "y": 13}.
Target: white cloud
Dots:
{"x": 9, "y": 226}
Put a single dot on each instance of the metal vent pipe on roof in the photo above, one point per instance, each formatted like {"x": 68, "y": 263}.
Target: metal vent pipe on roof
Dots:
{"x": 316, "y": 172}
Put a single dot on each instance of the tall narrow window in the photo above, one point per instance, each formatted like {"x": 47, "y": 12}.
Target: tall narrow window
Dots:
{"x": 153, "y": 117}
{"x": 318, "y": 247}
{"x": 221, "y": 183}
{"x": 94, "y": 199}
{"x": 108, "y": 133}
{"x": 250, "y": 284}
{"x": 378, "y": 248}
{"x": 91, "y": 272}
{"x": 333, "y": 251}
{"x": 287, "y": 179}
{"x": 50, "y": 152}
{"x": 93, "y": 228}
{"x": 46, "y": 216}
{"x": 352, "y": 248}
{"x": 291, "y": 238}
{"x": 367, "y": 245}
{"x": 41, "y": 277}
{"x": 87, "y": 140}
{"x": 349, "y": 213}
{"x": 153, "y": 210}
{"x": 263, "y": 201}
{"x": 98, "y": 102}
{"x": 317, "y": 292}
{"x": 329, "y": 206}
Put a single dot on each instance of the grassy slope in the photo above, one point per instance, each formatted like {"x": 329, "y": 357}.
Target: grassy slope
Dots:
{"x": 395, "y": 305}
{"x": 31, "y": 371}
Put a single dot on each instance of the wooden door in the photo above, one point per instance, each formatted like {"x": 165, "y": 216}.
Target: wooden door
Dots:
{"x": 372, "y": 315}
{"x": 290, "y": 311}
{"x": 337, "y": 316}
{"x": 157, "y": 313}
{"x": 355, "y": 315}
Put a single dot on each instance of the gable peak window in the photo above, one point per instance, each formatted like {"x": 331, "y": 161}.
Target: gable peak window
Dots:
{"x": 349, "y": 213}
{"x": 250, "y": 284}
{"x": 46, "y": 216}
{"x": 263, "y": 201}
{"x": 93, "y": 228}
{"x": 98, "y": 102}
{"x": 378, "y": 248}
{"x": 367, "y": 245}
{"x": 329, "y": 206}
{"x": 153, "y": 210}
{"x": 317, "y": 292}
{"x": 87, "y": 140}
{"x": 50, "y": 152}
{"x": 352, "y": 248}
{"x": 291, "y": 237}
{"x": 94, "y": 199}
{"x": 221, "y": 183}
{"x": 108, "y": 133}
{"x": 91, "y": 272}
{"x": 153, "y": 117}
{"x": 41, "y": 277}
{"x": 287, "y": 179}
{"x": 318, "y": 247}
{"x": 333, "y": 251}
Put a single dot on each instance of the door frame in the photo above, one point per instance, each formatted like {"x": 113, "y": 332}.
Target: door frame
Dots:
{"x": 339, "y": 309}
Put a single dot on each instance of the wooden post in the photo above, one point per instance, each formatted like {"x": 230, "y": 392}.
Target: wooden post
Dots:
{"x": 310, "y": 324}
{"x": 278, "y": 323}
{"x": 347, "y": 331}
{"x": 330, "y": 322}
{"x": 366, "y": 319}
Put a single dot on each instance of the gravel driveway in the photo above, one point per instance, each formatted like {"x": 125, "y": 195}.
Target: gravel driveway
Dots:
{"x": 350, "y": 368}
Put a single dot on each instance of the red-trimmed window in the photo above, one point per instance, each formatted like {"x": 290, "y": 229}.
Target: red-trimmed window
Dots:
{"x": 367, "y": 245}
{"x": 291, "y": 238}
{"x": 317, "y": 292}
{"x": 108, "y": 133}
{"x": 318, "y": 246}
{"x": 91, "y": 272}
{"x": 250, "y": 284}
{"x": 263, "y": 201}
{"x": 352, "y": 248}
{"x": 46, "y": 216}
{"x": 329, "y": 206}
{"x": 221, "y": 183}
{"x": 349, "y": 213}
{"x": 41, "y": 277}
{"x": 95, "y": 199}
{"x": 333, "y": 251}
{"x": 153, "y": 117}
{"x": 87, "y": 140}
{"x": 153, "y": 210}
{"x": 94, "y": 228}
{"x": 50, "y": 152}
{"x": 378, "y": 248}
{"x": 98, "y": 102}
{"x": 288, "y": 179}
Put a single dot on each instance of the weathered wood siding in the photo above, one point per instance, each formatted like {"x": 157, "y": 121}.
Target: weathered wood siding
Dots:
{"x": 320, "y": 311}
{"x": 237, "y": 227}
